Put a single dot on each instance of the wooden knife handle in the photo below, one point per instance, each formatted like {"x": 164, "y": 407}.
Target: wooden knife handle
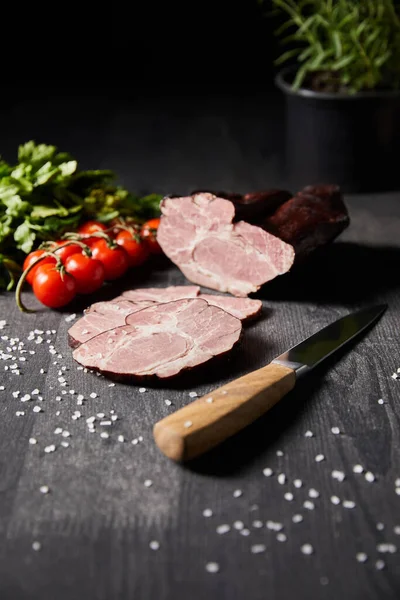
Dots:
{"x": 209, "y": 420}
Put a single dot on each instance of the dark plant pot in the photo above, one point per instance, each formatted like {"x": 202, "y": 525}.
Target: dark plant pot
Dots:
{"x": 350, "y": 140}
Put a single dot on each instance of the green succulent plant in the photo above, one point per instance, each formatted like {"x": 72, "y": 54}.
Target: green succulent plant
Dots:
{"x": 341, "y": 45}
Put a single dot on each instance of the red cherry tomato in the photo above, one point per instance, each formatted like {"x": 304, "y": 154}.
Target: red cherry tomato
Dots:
{"x": 32, "y": 256}
{"x": 149, "y": 235}
{"x": 115, "y": 260}
{"x": 91, "y": 227}
{"x": 66, "y": 251}
{"x": 87, "y": 272}
{"x": 53, "y": 288}
{"x": 135, "y": 248}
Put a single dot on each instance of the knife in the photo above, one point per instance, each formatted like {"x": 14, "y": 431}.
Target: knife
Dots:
{"x": 210, "y": 420}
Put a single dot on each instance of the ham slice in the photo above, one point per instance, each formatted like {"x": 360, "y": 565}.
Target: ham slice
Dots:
{"x": 198, "y": 234}
{"x": 103, "y": 316}
{"x": 162, "y": 340}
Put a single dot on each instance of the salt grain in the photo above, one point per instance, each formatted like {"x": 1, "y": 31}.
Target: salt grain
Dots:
{"x": 44, "y": 489}
{"x": 209, "y": 400}
{"x": 319, "y": 458}
{"x": 237, "y": 493}
{"x": 370, "y": 477}
{"x": 36, "y": 546}
{"x": 396, "y": 529}
{"x": 258, "y": 548}
{"x": 65, "y": 433}
{"x": 380, "y": 565}
{"x": 121, "y": 438}
{"x": 64, "y": 444}
{"x": 142, "y": 390}
{"x": 257, "y": 524}
{"x": 386, "y": 548}
{"x": 338, "y": 475}
{"x": 380, "y": 526}
{"x": 281, "y": 537}
{"x": 348, "y": 504}
{"x": 267, "y": 472}
{"x": 168, "y": 402}
{"x": 361, "y": 557}
{"x": 207, "y": 512}
{"x": 297, "y": 483}
{"x": 104, "y": 435}
{"x": 193, "y": 394}
{"x": 309, "y": 505}
{"x": 381, "y": 401}
{"x": 50, "y": 448}
{"x": 187, "y": 424}
{"x": 279, "y": 453}
{"x": 335, "y": 430}
{"x": 307, "y": 549}
{"x": 282, "y": 478}
{"x": 212, "y": 567}
{"x": 148, "y": 483}
{"x": 308, "y": 434}
{"x": 288, "y": 496}
{"x": 32, "y": 441}
{"x": 245, "y": 532}
{"x": 297, "y": 518}
{"x": 221, "y": 529}
{"x": 154, "y": 545}
{"x": 358, "y": 469}
{"x": 37, "y": 409}
{"x": 335, "y": 500}
{"x": 313, "y": 493}
{"x": 93, "y": 395}
{"x": 238, "y": 525}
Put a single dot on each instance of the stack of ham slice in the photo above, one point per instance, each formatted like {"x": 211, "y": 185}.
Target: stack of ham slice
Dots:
{"x": 158, "y": 331}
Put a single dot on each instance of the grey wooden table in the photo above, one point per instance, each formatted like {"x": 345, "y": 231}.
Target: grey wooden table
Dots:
{"x": 93, "y": 529}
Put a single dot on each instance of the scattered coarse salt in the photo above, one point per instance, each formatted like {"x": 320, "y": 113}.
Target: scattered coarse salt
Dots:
{"x": 114, "y": 418}
{"x": 313, "y": 493}
{"x": 65, "y": 433}
{"x": 212, "y": 567}
{"x": 36, "y": 546}
{"x": 168, "y": 402}
{"x": 237, "y": 493}
{"x": 308, "y": 434}
{"x": 16, "y": 394}
{"x": 44, "y": 489}
{"x": 348, "y": 504}
{"x": 105, "y": 423}
{"x": 297, "y": 518}
{"x": 207, "y": 512}
{"x": 370, "y": 477}
{"x": 307, "y": 549}
{"x": 281, "y": 537}
{"x": 111, "y": 385}
{"x": 37, "y": 409}
{"x": 238, "y": 525}
{"x": 279, "y": 453}
{"x": 257, "y": 524}
{"x": 274, "y": 526}
{"x": 64, "y": 444}
{"x": 104, "y": 435}
{"x": 335, "y": 430}
{"x": 32, "y": 441}
{"x": 386, "y": 548}
{"x": 319, "y": 458}
{"x": 20, "y": 413}
{"x": 90, "y": 420}
{"x": 297, "y": 483}
{"x": 135, "y": 441}
{"x": 335, "y": 500}
{"x": 221, "y": 529}
{"x": 288, "y": 496}
{"x": 338, "y": 475}
{"x": 209, "y": 400}
{"x": 397, "y": 491}
{"x": 258, "y": 548}
{"x": 93, "y": 395}
{"x": 397, "y": 482}
{"x": 148, "y": 483}
{"x": 267, "y": 472}
{"x": 245, "y": 531}
{"x": 361, "y": 557}
{"x": 101, "y": 415}
{"x": 50, "y": 448}
{"x": 381, "y": 401}
{"x": 358, "y": 469}
{"x": 2, "y": 388}
{"x": 380, "y": 565}
{"x": 380, "y": 526}
{"x": 193, "y": 394}
{"x": 142, "y": 390}
{"x": 395, "y": 376}
{"x": 282, "y": 478}
{"x": 187, "y": 424}
{"x": 121, "y": 438}
{"x": 396, "y": 529}
{"x": 35, "y": 392}
{"x": 25, "y": 398}
{"x": 309, "y": 505}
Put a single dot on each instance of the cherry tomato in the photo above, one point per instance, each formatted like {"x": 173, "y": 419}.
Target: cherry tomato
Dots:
{"x": 91, "y": 227}
{"x": 149, "y": 234}
{"x": 135, "y": 248}
{"x": 32, "y": 256}
{"x": 114, "y": 259}
{"x": 66, "y": 251}
{"x": 88, "y": 272}
{"x": 53, "y": 288}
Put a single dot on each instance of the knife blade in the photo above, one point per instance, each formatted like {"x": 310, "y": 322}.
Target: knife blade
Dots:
{"x": 208, "y": 421}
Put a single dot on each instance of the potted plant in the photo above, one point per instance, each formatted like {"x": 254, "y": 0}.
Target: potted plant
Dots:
{"x": 342, "y": 90}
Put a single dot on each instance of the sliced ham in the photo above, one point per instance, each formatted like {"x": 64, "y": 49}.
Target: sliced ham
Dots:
{"x": 103, "y": 316}
{"x": 162, "y": 340}
{"x": 198, "y": 234}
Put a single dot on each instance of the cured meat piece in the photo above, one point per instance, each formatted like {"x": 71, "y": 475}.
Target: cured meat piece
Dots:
{"x": 312, "y": 218}
{"x": 162, "y": 340}
{"x": 103, "y": 316}
{"x": 100, "y": 317}
{"x": 197, "y": 234}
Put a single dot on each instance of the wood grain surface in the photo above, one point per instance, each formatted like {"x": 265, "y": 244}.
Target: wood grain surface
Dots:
{"x": 96, "y": 523}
